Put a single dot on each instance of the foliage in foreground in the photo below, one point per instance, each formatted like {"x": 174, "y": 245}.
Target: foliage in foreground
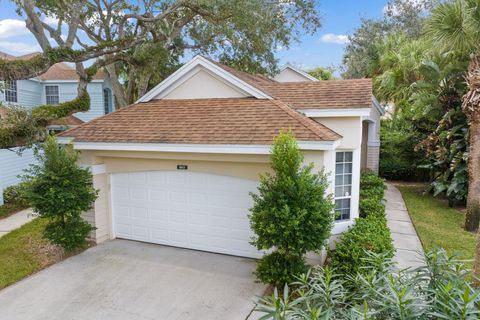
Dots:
{"x": 370, "y": 234}
{"x": 438, "y": 290}
{"x": 59, "y": 191}
{"x": 292, "y": 213}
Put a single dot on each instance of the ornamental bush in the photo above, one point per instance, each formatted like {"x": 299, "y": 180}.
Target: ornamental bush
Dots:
{"x": 440, "y": 289}
{"x": 292, "y": 213}
{"x": 59, "y": 191}
{"x": 372, "y": 191}
{"x": 369, "y": 234}
{"x": 16, "y": 194}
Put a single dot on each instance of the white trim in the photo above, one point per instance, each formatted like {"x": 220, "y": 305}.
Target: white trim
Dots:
{"x": 174, "y": 78}
{"x": 340, "y": 227}
{"x": 195, "y": 148}
{"x": 190, "y": 74}
{"x": 336, "y": 112}
{"x": 64, "y": 140}
{"x": 378, "y": 106}
{"x": 299, "y": 71}
{"x": 96, "y": 168}
{"x": 373, "y": 143}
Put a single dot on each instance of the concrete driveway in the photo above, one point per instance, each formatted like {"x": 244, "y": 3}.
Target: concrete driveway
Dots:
{"x": 123, "y": 279}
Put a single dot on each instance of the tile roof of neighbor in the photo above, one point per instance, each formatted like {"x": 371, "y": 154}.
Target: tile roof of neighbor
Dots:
{"x": 201, "y": 121}
{"x": 59, "y": 71}
{"x": 326, "y": 94}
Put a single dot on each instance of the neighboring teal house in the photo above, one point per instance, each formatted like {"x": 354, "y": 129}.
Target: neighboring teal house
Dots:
{"x": 58, "y": 84}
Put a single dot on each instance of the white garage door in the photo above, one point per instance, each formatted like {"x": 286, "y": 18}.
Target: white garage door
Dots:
{"x": 184, "y": 209}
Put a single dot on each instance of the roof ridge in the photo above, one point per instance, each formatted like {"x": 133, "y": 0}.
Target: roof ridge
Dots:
{"x": 306, "y": 122}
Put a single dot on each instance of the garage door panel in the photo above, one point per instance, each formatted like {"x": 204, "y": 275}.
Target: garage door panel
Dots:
{"x": 187, "y": 209}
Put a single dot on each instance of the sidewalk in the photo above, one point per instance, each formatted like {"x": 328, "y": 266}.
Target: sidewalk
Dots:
{"x": 405, "y": 238}
{"x": 15, "y": 221}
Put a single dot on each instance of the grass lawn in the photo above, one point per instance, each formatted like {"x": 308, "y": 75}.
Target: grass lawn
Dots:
{"x": 10, "y": 208}
{"x": 436, "y": 223}
{"x": 24, "y": 251}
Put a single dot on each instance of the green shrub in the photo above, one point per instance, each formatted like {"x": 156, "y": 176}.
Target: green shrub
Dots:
{"x": 372, "y": 191}
{"x": 372, "y": 183}
{"x": 369, "y": 234}
{"x": 398, "y": 158}
{"x": 292, "y": 213}
{"x": 440, "y": 289}
{"x": 15, "y": 194}
{"x": 60, "y": 191}
{"x": 371, "y": 207}
{"x": 278, "y": 269}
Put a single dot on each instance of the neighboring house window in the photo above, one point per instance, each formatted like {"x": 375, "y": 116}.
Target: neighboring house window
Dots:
{"x": 343, "y": 184}
{"x": 11, "y": 91}
{"x": 51, "y": 95}
{"x": 107, "y": 101}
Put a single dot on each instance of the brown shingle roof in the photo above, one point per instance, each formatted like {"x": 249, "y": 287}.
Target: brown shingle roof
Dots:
{"x": 62, "y": 71}
{"x": 201, "y": 121}
{"x": 355, "y": 93}
{"x": 326, "y": 94}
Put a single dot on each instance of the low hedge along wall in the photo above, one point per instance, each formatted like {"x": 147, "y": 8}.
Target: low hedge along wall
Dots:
{"x": 369, "y": 233}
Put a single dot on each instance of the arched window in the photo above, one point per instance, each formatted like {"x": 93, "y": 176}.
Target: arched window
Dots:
{"x": 107, "y": 100}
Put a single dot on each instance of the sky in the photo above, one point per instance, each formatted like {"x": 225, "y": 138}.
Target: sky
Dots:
{"x": 324, "y": 48}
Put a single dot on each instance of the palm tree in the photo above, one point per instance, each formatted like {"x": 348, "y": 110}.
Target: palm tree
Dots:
{"x": 455, "y": 26}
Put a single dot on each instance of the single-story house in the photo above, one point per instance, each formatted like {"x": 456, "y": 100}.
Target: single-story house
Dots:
{"x": 176, "y": 167}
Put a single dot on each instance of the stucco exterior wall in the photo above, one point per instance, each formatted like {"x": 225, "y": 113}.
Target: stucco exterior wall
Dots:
{"x": 349, "y": 127}
{"x": 105, "y": 163}
{"x": 289, "y": 75}
{"x": 202, "y": 85}
{"x": 371, "y": 144}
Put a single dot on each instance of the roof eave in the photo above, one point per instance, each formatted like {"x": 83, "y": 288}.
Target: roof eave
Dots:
{"x": 198, "y": 60}
{"x": 194, "y": 148}
{"x": 336, "y": 112}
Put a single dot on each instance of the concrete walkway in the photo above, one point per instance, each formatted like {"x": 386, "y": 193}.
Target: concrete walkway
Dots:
{"x": 15, "y": 221}
{"x": 405, "y": 238}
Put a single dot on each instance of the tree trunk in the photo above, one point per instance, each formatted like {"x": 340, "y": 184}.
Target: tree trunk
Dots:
{"x": 118, "y": 90}
{"x": 142, "y": 85}
{"x": 471, "y": 107}
{"x": 476, "y": 265}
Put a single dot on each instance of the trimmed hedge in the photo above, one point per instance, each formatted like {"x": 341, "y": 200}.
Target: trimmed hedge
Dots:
{"x": 372, "y": 191}
{"x": 15, "y": 194}
{"x": 369, "y": 233}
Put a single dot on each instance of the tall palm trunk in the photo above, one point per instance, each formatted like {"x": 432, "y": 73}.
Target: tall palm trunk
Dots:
{"x": 471, "y": 107}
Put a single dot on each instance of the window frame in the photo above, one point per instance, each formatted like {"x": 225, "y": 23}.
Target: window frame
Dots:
{"x": 350, "y": 185}
{"x": 49, "y": 95}
{"x": 107, "y": 108}
{"x": 11, "y": 92}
